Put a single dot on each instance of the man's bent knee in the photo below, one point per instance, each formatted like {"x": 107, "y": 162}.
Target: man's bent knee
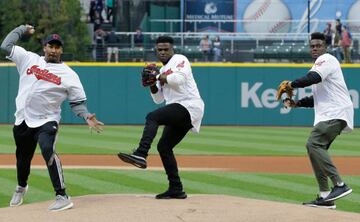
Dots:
{"x": 49, "y": 156}
{"x": 151, "y": 116}
{"x": 162, "y": 148}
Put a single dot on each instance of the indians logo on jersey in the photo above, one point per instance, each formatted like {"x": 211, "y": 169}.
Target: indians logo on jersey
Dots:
{"x": 320, "y": 63}
{"x": 181, "y": 65}
{"x": 43, "y": 74}
{"x": 168, "y": 72}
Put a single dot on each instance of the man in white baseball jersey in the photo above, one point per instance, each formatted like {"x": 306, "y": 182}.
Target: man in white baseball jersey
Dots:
{"x": 334, "y": 113}
{"x": 183, "y": 111}
{"x": 44, "y": 83}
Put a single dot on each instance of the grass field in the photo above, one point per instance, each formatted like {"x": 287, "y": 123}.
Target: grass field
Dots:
{"x": 264, "y": 141}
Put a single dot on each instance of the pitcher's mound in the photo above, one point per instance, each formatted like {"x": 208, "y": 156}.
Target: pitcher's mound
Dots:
{"x": 197, "y": 208}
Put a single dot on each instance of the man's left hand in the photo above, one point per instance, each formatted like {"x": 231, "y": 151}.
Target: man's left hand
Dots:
{"x": 93, "y": 123}
{"x": 289, "y": 103}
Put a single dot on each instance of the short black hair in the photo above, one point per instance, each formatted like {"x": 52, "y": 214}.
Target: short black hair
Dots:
{"x": 165, "y": 39}
{"x": 317, "y": 35}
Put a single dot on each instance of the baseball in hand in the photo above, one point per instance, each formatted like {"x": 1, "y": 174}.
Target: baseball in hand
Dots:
{"x": 30, "y": 29}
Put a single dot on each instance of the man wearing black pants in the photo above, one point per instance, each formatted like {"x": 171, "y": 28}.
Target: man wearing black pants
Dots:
{"x": 44, "y": 84}
{"x": 26, "y": 140}
{"x": 183, "y": 111}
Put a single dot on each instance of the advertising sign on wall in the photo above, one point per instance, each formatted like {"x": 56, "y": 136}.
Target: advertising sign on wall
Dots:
{"x": 238, "y": 95}
{"x": 269, "y": 16}
{"x": 274, "y": 16}
{"x": 207, "y": 12}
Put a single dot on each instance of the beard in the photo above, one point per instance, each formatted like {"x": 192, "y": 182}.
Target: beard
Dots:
{"x": 52, "y": 59}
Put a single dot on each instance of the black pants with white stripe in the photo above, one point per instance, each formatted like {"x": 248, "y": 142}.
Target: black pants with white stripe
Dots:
{"x": 177, "y": 122}
{"x": 26, "y": 139}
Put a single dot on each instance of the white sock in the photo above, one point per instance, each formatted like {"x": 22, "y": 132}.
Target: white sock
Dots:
{"x": 340, "y": 184}
{"x": 324, "y": 194}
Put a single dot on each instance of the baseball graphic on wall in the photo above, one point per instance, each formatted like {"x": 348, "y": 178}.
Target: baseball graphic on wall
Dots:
{"x": 354, "y": 17}
{"x": 266, "y": 16}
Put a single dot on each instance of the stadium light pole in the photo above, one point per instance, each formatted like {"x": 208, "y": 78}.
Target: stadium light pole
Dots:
{"x": 182, "y": 15}
{"x": 308, "y": 16}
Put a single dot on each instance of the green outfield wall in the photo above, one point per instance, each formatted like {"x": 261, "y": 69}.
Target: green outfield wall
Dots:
{"x": 234, "y": 94}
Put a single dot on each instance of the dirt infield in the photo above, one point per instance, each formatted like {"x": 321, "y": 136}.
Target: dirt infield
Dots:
{"x": 266, "y": 164}
{"x": 197, "y": 208}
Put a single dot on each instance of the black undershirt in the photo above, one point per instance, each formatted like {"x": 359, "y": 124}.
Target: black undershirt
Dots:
{"x": 308, "y": 80}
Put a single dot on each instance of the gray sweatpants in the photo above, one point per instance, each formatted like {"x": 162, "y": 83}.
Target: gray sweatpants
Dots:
{"x": 320, "y": 139}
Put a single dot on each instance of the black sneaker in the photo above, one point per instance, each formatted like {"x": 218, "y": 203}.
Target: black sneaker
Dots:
{"x": 133, "y": 159}
{"x": 320, "y": 203}
{"x": 338, "y": 192}
{"x": 172, "y": 194}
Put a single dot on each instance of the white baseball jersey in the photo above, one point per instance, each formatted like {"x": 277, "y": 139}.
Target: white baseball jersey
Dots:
{"x": 331, "y": 96}
{"x": 181, "y": 88}
{"x": 42, "y": 88}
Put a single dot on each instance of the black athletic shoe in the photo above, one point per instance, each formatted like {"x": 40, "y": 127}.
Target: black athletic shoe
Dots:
{"x": 133, "y": 159}
{"x": 320, "y": 203}
{"x": 338, "y": 192}
{"x": 172, "y": 194}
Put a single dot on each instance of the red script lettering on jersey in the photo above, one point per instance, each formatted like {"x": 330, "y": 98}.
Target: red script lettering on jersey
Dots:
{"x": 168, "y": 72}
{"x": 181, "y": 65}
{"x": 44, "y": 74}
{"x": 319, "y": 63}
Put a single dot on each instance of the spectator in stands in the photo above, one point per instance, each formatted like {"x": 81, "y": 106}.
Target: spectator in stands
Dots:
{"x": 139, "y": 38}
{"x": 97, "y": 21}
{"x": 99, "y": 5}
{"x": 217, "y": 49}
{"x": 328, "y": 32}
{"x": 109, "y": 10}
{"x": 112, "y": 41}
{"x": 345, "y": 43}
{"x": 336, "y": 48}
{"x": 92, "y": 10}
{"x": 205, "y": 47}
{"x": 338, "y": 26}
{"x": 99, "y": 43}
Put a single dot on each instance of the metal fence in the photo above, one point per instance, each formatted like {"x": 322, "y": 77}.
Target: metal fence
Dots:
{"x": 235, "y": 47}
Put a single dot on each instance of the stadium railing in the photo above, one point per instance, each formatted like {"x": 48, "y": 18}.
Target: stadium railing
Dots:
{"x": 236, "y": 47}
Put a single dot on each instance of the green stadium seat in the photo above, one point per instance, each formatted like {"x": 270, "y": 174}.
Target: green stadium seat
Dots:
{"x": 284, "y": 52}
{"x": 271, "y": 52}
{"x": 137, "y": 54}
{"x": 259, "y": 52}
{"x": 124, "y": 54}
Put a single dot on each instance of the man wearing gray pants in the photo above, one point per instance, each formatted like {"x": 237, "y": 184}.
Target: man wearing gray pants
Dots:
{"x": 334, "y": 113}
